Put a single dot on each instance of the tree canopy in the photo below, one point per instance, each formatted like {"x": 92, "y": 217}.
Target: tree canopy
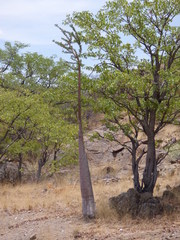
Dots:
{"x": 135, "y": 47}
{"x": 145, "y": 89}
{"x": 31, "y": 120}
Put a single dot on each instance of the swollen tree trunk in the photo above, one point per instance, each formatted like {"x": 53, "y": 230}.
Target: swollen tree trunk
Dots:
{"x": 88, "y": 204}
{"x": 71, "y": 38}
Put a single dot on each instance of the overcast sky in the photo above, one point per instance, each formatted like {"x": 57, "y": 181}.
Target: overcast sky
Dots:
{"x": 32, "y": 21}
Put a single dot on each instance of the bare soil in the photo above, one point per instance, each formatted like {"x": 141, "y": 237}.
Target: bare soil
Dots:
{"x": 59, "y": 224}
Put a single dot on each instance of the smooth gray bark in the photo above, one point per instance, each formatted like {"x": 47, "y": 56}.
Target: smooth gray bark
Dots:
{"x": 88, "y": 204}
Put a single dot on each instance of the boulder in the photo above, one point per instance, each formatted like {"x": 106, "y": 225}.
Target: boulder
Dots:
{"x": 168, "y": 196}
{"x": 33, "y": 237}
{"x": 149, "y": 207}
{"x": 8, "y": 172}
{"x": 126, "y": 203}
{"x": 172, "y": 195}
{"x": 135, "y": 204}
{"x": 176, "y": 190}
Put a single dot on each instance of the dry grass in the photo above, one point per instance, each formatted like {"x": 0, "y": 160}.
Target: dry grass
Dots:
{"x": 50, "y": 196}
{"x": 60, "y": 200}
{"x": 63, "y": 191}
{"x": 164, "y": 182}
{"x": 36, "y": 196}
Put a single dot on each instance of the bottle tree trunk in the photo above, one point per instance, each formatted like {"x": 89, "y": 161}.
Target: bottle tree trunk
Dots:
{"x": 88, "y": 204}
{"x": 68, "y": 41}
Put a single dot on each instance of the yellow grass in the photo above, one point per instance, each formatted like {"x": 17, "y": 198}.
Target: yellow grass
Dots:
{"x": 50, "y": 196}
{"x": 36, "y": 196}
{"x": 64, "y": 192}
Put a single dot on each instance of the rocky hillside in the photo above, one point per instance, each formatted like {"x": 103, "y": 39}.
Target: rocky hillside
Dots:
{"x": 103, "y": 151}
{"x": 112, "y": 160}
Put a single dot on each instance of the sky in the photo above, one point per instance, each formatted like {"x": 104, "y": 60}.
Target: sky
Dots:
{"x": 32, "y": 21}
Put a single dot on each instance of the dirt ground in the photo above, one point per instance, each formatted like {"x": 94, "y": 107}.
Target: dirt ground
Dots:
{"x": 56, "y": 225}
{"x": 53, "y": 212}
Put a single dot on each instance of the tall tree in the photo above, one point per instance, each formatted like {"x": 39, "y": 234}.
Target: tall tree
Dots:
{"x": 71, "y": 44}
{"x": 146, "y": 90}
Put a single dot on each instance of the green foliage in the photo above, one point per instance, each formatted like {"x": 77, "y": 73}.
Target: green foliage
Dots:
{"x": 33, "y": 116}
{"x": 38, "y": 95}
{"x": 126, "y": 84}
{"x": 142, "y": 92}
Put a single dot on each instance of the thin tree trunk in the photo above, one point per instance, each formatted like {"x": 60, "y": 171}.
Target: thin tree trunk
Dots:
{"x": 150, "y": 171}
{"x": 88, "y": 204}
{"x": 135, "y": 167}
{"x": 40, "y": 165}
{"x": 135, "y": 170}
{"x": 20, "y": 168}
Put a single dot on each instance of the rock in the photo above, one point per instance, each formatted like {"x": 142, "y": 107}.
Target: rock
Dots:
{"x": 107, "y": 171}
{"x": 135, "y": 204}
{"x": 102, "y": 149}
{"x": 77, "y": 234}
{"x": 108, "y": 180}
{"x": 173, "y": 161}
{"x": 33, "y": 237}
{"x": 172, "y": 196}
{"x": 8, "y": 172}
{"x": 168, "y": 187}
{"x": 149, "y": 207}
{"x": 168, "y": 196}
{"x": 44, "y": 190}
{"x": 168, "y": 209}
{"x": 126, "y": 203}
{"x": 176, "y": 190}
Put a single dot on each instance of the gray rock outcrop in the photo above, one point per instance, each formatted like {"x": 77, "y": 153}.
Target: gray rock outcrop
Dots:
{"x": 8, "y": 172}
{"x": 135, "y": 204}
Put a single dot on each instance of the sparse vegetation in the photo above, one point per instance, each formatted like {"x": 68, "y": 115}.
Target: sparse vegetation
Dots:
{"x": 51, "y": 201}
{"x": 123, "y": 117}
